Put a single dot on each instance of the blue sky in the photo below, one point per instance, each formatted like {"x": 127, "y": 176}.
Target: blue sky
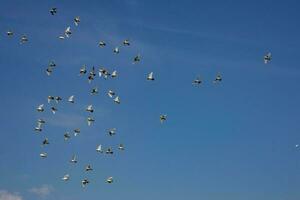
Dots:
{"x": 235, "y": 140}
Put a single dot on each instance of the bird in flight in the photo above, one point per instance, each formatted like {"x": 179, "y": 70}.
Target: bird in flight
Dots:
{"x": 53, "y": 11}
{"x": 267, "y": 58}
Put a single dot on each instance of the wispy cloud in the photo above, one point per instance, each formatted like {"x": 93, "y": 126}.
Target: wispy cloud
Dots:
{"x": 5, "y": 195}
{"x": 42, "y": 191}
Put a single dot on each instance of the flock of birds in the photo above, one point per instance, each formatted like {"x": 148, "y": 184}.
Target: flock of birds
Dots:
{"x": 102, "y": 72}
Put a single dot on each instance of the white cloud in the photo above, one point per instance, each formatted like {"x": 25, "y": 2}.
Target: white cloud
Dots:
{"x": 4, "y": 195}
{"x": 42, "y": 191}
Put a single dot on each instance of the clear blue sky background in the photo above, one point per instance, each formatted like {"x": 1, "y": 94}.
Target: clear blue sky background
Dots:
{"x": 231, "y": 141}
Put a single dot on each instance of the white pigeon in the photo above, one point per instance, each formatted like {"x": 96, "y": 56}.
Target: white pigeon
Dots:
{"x": 41, "y": 121}
{"x": 43, "y": 155}
{"x": 61, "y": 37}
{"x": 162, "y": 118}
{"x": 150, "y": 77}
{"x": 40, "y": 108}
{"x": 218, "y": 78}
{"x": 109, "y": 151}
{"x": 76, "y": 21}
{"x": 49, "y": 71}
{"x": 90, "y": 120}
{"x": 50, "y": 98}
{"x": 53, "y": 109}
{"x": 111, "y": 93}
{"x": 76, "y": 131}
{"x": 126, "y": 42}
{"x": 71, "y": 99}
{"x": 117, "y": 100}
{"x": 68, "y": 31}
{"x": 99, "y": 148}
{"x": 73, "y": 159}
{"x": 57, "y": 99}
{"x": 67, "y": 136}
{"x": 84, "y": 182}
{"x": 197, "y": 81}
{"x": 38, "y": 127}
{"x": 24, "y": 39}
{"x": 10, "y": 33}
{"x": 109, "y": 180}
{"x": 116, "y": 50}
{"x": 88, "y": 168}
{"x": 114, "y": 74}
{"x": 121, "y": 147}
{"x": 102, "y": 44}
{"x": 112, "y": 131}
{"x": 90, "y": 108}
{"x": 66, "y": 177}
{"x": 82, "y": 70}
{"x": 53, "y": 11}
{"x": 267, "y": 58}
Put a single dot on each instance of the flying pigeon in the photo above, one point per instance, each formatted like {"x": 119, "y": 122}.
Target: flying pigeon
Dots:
{"x": 90, "y": 120}
{"x": 71, "y": 99}
{"x": 103, "y": 72}
{"x": 109, "y": 151}
{"x": 41, "y": 121}
{"x": 10, "y": 33}
{"x": 162, "y": 118}
{"x": 114, "y": 74}
{"x": 52, "y": 64}
{"x": 40, "y": 108}
{"x": 76, "y": 20}
{"x": 50, "y": 98}
{"x": 99, "y": 148}
{"x": 116, "y": 50}
{"x": 88, "y": 168}
{"x": 197, "y": 81}
{"x": 117, "y": 100}
{"x": 45, "y": 141}
{"x": 109, "y": 180}
{"x": 38, "y": 127}
{"x": 49, "y": 71}
{"x": 92, "y": 75}
{"x": 53, "y": 11}
{"x": 112, "y": 131}
{"x": 136, "y": 59}
{"x": 126, "y": 42}
{"x": 150, "y": 77}
{"x": 102, "y": 44}
{"x": 111, "y": 93}
{"x": 61, "y": 37}
{"x": 218, "y": 78}
{"x": 76, "y": 131}
{"x": 121, "y": 147}
{"x": 82, "y": 70}
{"x": 43, "y": 155}
{"x": 53, "y": 109}
{"x": 267, "y": 58}
{"x": 57, "y": 99}
{"x": 66, "y": 177}
{"x": 94, "y": 91}
{"x": 68, "y": 31}
{"x": 67, "y": 136}
{"x": 24, "y": 39}
{"x": 84, "y": 182}
{"x": 73, "y": 159}
{"x": 90, "y": 108}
